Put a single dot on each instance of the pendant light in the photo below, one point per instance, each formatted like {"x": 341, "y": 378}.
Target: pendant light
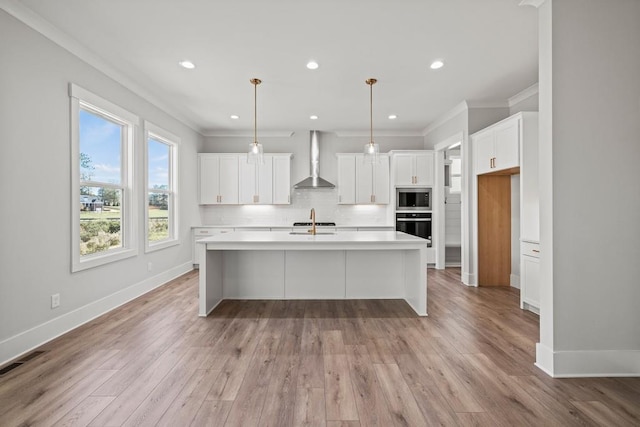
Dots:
{"x": 255, "y": 154}
{"x": 371, "y": 150}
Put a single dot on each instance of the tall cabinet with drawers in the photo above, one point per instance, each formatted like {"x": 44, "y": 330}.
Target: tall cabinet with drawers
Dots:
{"x": 509, "y": 147}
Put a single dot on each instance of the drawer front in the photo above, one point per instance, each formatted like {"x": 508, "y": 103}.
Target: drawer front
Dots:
{"x": 530, "y": 249}
{"x": 204, "y": 232}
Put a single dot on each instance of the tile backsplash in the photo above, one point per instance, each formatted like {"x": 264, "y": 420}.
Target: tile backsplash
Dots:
{"x": 325, "y": 202}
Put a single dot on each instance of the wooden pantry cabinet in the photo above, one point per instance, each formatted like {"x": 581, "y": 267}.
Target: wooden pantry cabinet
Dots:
{"x": 507, "y": 148}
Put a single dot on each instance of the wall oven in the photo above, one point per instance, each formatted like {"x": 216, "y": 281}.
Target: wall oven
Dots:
{"x": 415, "y": 223}
{"x": 413, "y": 199}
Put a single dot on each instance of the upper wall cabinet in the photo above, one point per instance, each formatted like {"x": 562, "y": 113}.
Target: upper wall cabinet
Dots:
{"x": 413, "y": 168}
{"x": 218, "y": 179}
{"x": 256, "y": 182}
{"x": 497, "y": 147}
{"x": 363, "y": 183}
{"x": 227, "y": 179}
{"x": 281, "y": 179}
{"x": 347, "y": 179}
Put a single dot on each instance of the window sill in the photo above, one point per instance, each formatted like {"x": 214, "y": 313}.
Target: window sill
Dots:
{"x": 161, "y": 245}
{"x": 102, "y": 259}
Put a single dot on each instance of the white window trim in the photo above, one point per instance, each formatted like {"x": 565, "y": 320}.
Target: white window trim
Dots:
{"x": 82, "y": 97}
{"x": 156, "y": 132}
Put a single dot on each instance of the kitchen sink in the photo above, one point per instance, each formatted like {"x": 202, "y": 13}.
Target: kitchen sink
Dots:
{"x": 309, "y": 234}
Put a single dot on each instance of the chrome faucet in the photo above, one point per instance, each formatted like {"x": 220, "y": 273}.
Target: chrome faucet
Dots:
{"x": 313, "y": 221}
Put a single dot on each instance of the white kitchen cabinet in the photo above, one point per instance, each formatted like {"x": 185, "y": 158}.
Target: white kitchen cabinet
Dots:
{"x": 372, "y": 181}
{"x": 227, "y": 179}
{"x": 281, "y": 179}
{"x": 201, "y": 233}
{"x": 363, "y": 183}
{"x": 530, "y": 280}
{"x": 218, "y": 179}
{"x": 497, "y": 147}
{"x": 346, "y": 179}
{"x": 413, "y": 169}
{"x": 256, "y": 182}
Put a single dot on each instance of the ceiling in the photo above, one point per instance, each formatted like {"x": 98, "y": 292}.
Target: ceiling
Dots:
{"x": 489, "y": 48}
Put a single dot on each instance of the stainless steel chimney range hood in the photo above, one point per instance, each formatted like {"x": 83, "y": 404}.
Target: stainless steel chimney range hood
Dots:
{"x": 314, "y": 181}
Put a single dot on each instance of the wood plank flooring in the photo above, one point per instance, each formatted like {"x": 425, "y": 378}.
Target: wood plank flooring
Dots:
{"x": 153, "y": 361}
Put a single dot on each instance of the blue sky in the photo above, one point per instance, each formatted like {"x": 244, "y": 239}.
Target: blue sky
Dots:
{"x": 100, "y": 139}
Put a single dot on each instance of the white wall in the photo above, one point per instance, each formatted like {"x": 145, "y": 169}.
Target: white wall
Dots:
{"x": 35, "y": 184}
{"x": 325, "y": 201}
{"x": 590, "y": 136}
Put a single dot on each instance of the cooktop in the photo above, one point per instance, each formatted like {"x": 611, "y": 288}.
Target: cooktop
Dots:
{"x": 318, "y": 224}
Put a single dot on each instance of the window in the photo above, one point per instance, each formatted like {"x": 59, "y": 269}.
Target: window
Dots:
{"x": 161, "y": 200}
{"x": 102, "y": 181}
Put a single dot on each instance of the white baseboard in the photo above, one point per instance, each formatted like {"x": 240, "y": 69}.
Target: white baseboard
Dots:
{"x": 26, "y": 341}
{"x": 589, "y": 363}
{"x": 514, "y": 281}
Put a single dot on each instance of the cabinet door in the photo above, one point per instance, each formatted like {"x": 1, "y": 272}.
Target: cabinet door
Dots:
{"x": 264, "y": 182}
{"x": 209, "y": 179}
{"x": 381, "y": 181}
{"x": 228, "y": 189}
{"x": 364, "y": 181}
{"x": 347, "y": 180}
{"x": 281, "y": 180}
{"x": 424, "y": 169}
{"x": 483, "y": 144}
{"x": 404, "y": 169}
{"x": 531, "y": 281}
{"x": 247, "y": 183}
{"x": 506, "y": 145}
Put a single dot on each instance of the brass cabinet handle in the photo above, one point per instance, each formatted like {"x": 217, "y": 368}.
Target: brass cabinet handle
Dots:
{"x": 535, "y": 250}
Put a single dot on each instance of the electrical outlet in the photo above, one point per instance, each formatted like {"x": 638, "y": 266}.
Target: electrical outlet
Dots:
{"x": 55, "y": 300}
{"x": 149, "y": 266}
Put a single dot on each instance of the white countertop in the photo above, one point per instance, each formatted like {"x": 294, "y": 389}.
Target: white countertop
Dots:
{"x": 340, "y": 240}
{"x": 248, "y": 227}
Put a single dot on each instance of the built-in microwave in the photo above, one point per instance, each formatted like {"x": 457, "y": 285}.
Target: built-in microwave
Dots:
{"x": 413, "y": 199}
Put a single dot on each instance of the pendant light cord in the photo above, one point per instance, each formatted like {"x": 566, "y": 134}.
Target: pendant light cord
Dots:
{"x": 371, "y": 82}
{"x": 255, "y": 83}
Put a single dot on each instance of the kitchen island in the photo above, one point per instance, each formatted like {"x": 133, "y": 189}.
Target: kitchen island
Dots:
{"x": 341, "y": 265}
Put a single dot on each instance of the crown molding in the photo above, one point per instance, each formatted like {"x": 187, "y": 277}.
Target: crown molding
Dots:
{"x": 247, "y": 133}
{"x": 488, "y": 104}
{"x": 461, "y": 107}
{"x": 385, "y": 133}
{"x": 526, "y": 93}
{"x": 65, "y": 41}
{"x": 533, "y": 3}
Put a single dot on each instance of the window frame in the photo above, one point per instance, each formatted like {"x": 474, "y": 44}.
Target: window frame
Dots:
{"x": 173, "y": 141}
{"x": 83, "y": 99}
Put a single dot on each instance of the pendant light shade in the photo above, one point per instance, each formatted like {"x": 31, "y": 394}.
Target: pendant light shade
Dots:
{"x": 256, "y": 152}
{"x": 371, "y": 149}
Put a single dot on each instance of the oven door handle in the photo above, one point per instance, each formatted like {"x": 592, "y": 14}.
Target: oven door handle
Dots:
{"x": 413, "y": 220}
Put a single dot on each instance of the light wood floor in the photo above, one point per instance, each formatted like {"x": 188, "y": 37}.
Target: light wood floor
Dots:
{"x": 317, "y": 363}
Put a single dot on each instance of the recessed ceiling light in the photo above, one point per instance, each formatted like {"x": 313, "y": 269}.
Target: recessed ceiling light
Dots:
{"x": 438, "y": 63}
{"x": 313, "y": 117}
{"x": 312, "y": 65}
{"x": 187, "y": 64}
{"x": 392, "y": 117}
{"x": 235, "y": 117}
